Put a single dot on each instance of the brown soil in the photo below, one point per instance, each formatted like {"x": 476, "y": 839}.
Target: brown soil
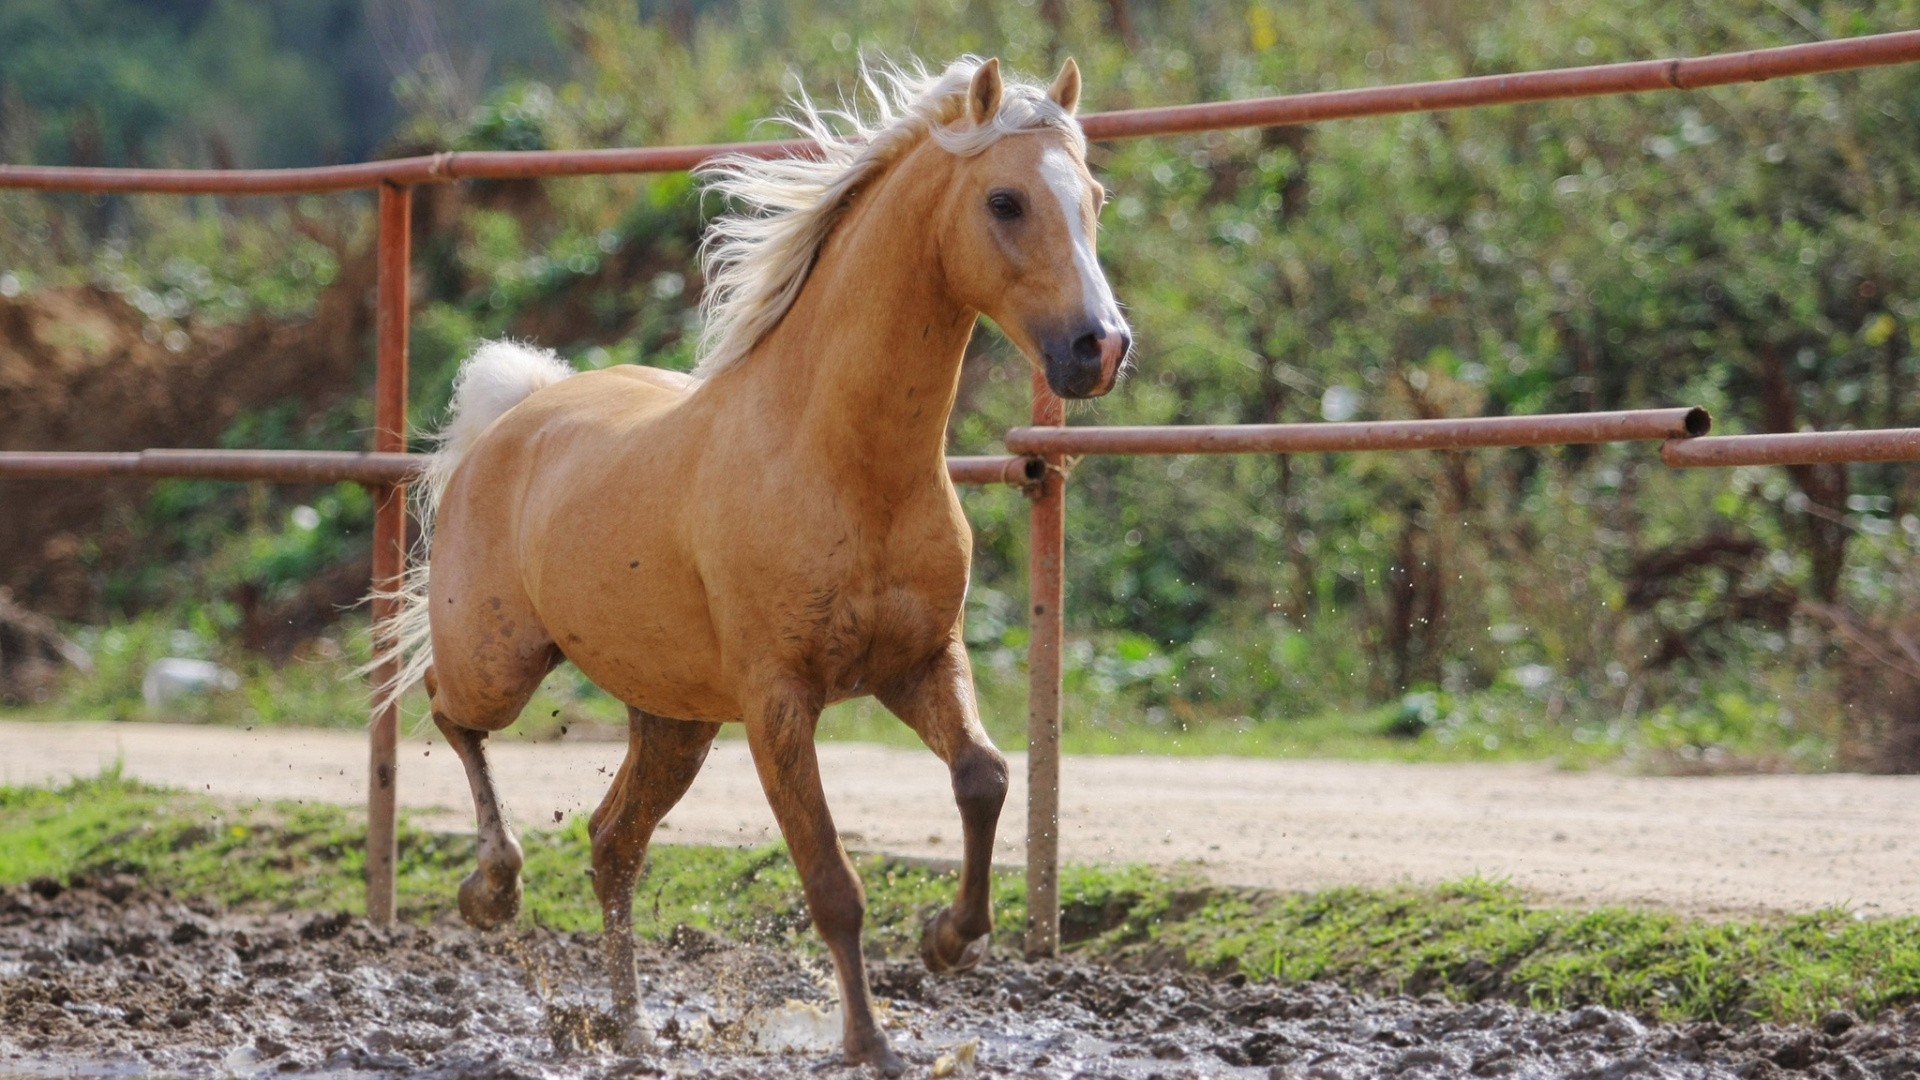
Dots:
{"x": 32, "y": 654}
{"x": 77, "y": 372}
{"x": 108, "y": 978}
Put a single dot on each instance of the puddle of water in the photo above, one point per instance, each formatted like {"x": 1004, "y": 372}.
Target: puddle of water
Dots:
{"x": 794, "y": 1027}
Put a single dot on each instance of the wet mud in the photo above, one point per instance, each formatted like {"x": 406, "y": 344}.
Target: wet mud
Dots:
{"x": 108, "y": 979}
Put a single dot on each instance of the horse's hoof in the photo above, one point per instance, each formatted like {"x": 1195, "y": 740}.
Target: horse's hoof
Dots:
{"x": 943, "y": 951}
{"x": 639, "y": 1037}
{"x": 486, "y": 903}
{"x": 880, "y": 1056}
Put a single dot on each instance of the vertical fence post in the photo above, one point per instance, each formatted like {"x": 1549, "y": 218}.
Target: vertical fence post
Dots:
{"x": 1046, "y": 593}
{"x": 389, "y": 533}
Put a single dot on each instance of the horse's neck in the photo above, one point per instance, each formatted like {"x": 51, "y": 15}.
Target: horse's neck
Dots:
{"x": 867, "y": 362}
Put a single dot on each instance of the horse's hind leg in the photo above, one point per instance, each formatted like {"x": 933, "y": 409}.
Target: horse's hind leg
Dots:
{"x": 490, "y": 895}
{"x": 663, "y": 757}
{"x": 937, "y": 702}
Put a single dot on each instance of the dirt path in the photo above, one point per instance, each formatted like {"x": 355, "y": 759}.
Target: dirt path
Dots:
{"x": 1705, "y": 845}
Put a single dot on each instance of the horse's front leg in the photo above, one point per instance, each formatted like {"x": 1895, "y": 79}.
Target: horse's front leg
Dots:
{"x": 780, "y": 726}
{"x": 663, "y": 757}
{"x": 937, "y": 702}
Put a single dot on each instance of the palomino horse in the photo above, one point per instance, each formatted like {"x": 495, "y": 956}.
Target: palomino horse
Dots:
{"x": 776, "y": 532}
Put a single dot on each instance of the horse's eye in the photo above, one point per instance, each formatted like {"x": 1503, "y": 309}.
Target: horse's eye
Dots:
{"x": 1004, "y": 206}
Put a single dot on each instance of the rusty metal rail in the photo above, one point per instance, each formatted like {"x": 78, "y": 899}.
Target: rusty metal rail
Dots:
{"x": 1448, "y": 434}
{"x": 1046, "y": 445}
{"x": 269, "y": 466}
{"x": 1798, "y": 448}
{"x": 339, "y": 466}
{"x": 1634, "y": 77}
{"x": 1640, "y": 76}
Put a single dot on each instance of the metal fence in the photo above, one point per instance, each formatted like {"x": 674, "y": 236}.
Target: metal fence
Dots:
{"x": 1041, "y": 454}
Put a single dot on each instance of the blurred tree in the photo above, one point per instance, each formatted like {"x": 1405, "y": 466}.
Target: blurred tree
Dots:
{"x": 229, "y": 82}
{"x": 1750, "y": 249}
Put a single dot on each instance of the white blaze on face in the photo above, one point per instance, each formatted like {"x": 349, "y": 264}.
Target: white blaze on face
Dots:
{"x": 1062, "y": 175}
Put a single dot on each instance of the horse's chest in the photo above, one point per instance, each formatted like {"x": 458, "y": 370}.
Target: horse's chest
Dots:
{"x": 880, "y": 617}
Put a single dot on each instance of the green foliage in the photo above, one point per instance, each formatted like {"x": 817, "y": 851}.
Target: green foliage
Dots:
{"x": 1746, "y": 248}
{"x": 272, "y": 83}
{"x": 105, "y": 81}
{"x": 314, "y": 689}
{"x": 1471, "y": 940}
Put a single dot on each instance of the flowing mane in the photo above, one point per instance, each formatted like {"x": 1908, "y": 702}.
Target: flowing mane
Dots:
{"x": 757, "y": 259}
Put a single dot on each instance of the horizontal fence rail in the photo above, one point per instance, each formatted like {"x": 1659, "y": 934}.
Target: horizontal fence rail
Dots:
{"x": 337, "y": 466}
{"x": 1639, "y": 76}
{"x": 270, "y": 466}
{"x": 1040, "y": 452}
{"x": 1634, "y": 77}
{"x": 1797, "y": 448}
{"x": 1452, "y": 434}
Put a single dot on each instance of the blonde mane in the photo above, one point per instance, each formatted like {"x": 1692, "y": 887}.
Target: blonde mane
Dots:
{"x": 756, "y": 259}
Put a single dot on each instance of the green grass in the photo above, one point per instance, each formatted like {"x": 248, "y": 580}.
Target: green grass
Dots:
{"x": 1468, "y": 940}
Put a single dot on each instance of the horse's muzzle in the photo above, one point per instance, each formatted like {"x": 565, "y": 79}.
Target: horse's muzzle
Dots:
{"x": 1086, "y": 364}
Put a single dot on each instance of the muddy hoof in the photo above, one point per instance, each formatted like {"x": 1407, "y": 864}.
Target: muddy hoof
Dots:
{"x": 942, "y": 950}
{"x": 880, "y": 1056}
{"x": 639, "y": 1038}
{"x": 486, "y": 903}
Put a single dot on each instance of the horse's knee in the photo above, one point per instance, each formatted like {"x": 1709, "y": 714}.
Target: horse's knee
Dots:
{"x": 613, "y": 835}
{"x": 452, "y": 730}
{"x": 980, "y": 781}
{"x": 488, "y": 694}
{"x": 838, "y": 907}
{"x": 452, "y": 714}
{"x": 616, "y": 867}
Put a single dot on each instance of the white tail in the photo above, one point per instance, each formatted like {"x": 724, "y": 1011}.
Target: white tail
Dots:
{"x": 498, "y": 376}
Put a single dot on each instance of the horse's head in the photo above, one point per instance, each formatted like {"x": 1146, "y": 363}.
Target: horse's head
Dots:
{"x": 1017, "y": 240}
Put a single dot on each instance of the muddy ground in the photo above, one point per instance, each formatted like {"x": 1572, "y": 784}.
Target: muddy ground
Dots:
{"x": 111, "y": 979}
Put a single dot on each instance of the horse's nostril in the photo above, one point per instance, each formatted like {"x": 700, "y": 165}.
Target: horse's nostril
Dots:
{"x": 1086, "y": 348}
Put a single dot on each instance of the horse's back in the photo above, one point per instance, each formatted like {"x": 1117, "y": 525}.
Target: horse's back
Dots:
{"x": 624, "y": 393}
{"x": 553, "y": 440}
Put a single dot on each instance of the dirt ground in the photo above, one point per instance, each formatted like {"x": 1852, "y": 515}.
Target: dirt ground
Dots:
{"x": 1704, "y": 845}
{"x": 107, "y": 979}
{"x": 83, "y": 369}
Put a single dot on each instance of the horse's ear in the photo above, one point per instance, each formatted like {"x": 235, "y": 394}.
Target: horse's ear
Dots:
{"x": 983, "y": 97}
{"x": 1065, "y": 90}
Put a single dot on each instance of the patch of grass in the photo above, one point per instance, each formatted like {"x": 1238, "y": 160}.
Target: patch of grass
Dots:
{"x": 1757, "y": 725}
{"x": 1479, "y": 939}
{"x": 1469, "y": 940}
{"x": 1721, "y": 732}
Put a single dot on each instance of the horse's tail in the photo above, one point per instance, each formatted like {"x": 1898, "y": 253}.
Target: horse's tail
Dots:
{"x": 498, "y": 376}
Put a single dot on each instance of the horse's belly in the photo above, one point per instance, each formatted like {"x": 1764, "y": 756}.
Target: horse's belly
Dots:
{"x": 646, "y": 638}
{"x": 656, "y": 674}
{"x": 667, "y": 670}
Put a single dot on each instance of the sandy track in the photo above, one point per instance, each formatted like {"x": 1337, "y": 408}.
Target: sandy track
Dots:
{"x": 1707, "y": 845}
